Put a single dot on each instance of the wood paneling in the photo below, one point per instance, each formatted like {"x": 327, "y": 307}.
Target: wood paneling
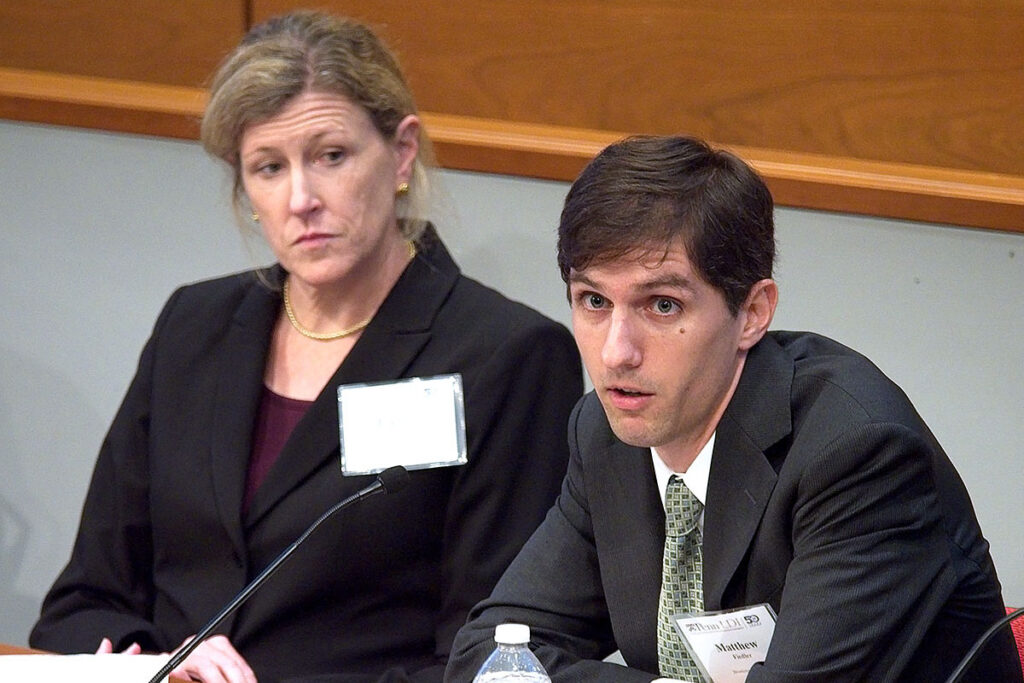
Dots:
{"x": 539, "y": 150}
{"x": 896, "y": 190}
{"x": 900, "y": 108}
{"x": 178, "y": 42}
{"x": 929, "y": 82}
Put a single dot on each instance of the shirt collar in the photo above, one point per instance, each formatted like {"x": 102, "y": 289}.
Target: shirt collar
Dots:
{"x": 695, "y": 477}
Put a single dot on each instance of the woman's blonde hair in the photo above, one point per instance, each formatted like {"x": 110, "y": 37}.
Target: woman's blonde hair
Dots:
{"x": 307, "y": 51}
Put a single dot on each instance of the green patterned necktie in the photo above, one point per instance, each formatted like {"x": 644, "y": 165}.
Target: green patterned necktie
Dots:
{"x": 681, "y": 579}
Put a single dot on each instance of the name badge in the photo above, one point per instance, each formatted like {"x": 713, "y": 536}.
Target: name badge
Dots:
{"x": 418, "y": 423}
{"x": 726, "y": 644}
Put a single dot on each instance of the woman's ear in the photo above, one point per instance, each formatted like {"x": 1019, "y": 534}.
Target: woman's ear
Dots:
{"x": 407, "y": 145}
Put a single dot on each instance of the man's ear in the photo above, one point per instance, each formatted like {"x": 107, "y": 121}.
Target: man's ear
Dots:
{"x": 758, "y": 311}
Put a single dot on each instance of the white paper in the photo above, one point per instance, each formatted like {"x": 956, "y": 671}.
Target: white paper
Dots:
{"x": 727, "y": 644}
{"x": 80, "y": 668}
{"x": 417, "y": 423}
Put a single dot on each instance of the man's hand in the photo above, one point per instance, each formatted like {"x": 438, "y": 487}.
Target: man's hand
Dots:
{"x": 215, "y": 661}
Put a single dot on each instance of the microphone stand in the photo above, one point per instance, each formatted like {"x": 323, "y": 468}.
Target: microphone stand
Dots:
{"x": 387, "y": 481}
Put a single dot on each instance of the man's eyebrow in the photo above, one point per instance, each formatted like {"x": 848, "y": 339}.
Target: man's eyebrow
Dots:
{"x": 668, "y": 281}
{"x": 576, "y": 277}
{"x": 671, "y": 281}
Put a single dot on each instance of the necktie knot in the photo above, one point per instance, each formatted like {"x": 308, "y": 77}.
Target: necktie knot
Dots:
{"x": 682, "y": 509}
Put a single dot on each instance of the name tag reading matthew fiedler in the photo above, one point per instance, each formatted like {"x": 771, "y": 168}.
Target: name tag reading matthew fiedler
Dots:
{"x": 417, "y": 423}
{"x": 727, "y": 644}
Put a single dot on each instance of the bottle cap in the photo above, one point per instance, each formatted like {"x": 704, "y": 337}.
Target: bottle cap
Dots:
{"x": 512, "y": 634}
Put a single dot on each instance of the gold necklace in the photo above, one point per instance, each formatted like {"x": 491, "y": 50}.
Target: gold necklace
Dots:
{"x": 318, "y": 336}
{"x": 329, "y": 336}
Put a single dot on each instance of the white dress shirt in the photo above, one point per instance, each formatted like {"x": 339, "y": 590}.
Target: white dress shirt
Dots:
{"x": 696, "y": 479}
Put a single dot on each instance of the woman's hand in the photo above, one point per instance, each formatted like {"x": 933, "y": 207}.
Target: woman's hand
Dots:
{"x": 107, "y": 648}
{"x": 215, "y": 661}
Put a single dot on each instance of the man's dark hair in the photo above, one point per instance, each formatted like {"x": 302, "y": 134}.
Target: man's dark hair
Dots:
{"x": 644, "y": 193}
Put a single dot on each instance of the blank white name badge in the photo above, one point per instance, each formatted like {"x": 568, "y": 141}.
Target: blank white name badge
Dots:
{"x": 417, "y": 423}
{"x": 727, "y": 644}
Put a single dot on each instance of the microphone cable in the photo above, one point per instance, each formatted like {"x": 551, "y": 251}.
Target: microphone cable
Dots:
{"x": 972, "y": 654}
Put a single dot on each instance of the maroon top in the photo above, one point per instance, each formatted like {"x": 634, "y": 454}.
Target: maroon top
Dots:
{"x": 275, "y": 421}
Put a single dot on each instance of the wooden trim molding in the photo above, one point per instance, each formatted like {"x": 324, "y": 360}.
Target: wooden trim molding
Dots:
{"x": 893, "y": 190}
{"x": 101, "y": 103}
{"x": 888, "y": 189}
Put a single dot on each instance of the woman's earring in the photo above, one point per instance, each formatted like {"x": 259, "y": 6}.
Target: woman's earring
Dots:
{"x": 403, "y": 188}
{"x": 255, "y": 217}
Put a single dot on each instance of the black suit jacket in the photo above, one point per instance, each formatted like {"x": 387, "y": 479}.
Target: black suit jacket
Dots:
{"x": 828, "y": 499}
{"x": 377, "y": 592}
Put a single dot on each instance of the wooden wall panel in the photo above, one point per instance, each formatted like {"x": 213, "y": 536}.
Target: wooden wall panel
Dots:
{"x": 899, "y": 108}
{"x": 178, "y": 42}
{"x": 931, "y": 82}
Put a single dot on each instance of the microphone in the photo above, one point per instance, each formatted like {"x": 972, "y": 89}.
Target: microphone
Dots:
{"x": 390, "y": 480}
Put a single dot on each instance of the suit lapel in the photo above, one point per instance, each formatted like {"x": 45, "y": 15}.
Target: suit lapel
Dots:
{"x": 242, "y": 359}
{"x": 630, "y": 535}
{"x": 385, "y": 351}
{"x": 644, "y": 527}
{"x": 742, "y": 478}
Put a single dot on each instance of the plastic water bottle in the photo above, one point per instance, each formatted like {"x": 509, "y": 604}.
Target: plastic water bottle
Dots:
{"x": 512, "y": 661}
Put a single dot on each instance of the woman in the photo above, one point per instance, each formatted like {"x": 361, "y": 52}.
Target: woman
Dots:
{"x": 226, "y": 446}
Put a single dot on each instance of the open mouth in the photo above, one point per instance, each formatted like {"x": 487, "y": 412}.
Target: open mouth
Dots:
{"x": 628, "y": 399}
{"x": 628, "y": 392}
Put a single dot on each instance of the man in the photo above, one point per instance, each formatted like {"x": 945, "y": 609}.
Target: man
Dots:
{"x": 824, "y": 494}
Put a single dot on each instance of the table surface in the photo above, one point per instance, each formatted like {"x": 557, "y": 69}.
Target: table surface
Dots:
{"x": 6, "y": 649}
